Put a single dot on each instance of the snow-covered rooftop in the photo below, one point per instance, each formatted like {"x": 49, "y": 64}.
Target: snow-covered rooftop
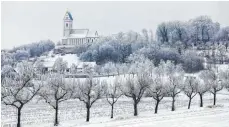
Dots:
{"x": 82, "y": 33}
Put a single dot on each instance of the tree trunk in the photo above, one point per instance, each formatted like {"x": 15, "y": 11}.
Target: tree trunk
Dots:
{"x": 214, "y": 99}
{"x": 19, "y": 117}
{"x": 156, "y": 108}
{"x": 135, "y": 109}
{"x": 56, "y": 115}
{"x": 201, "y": 100}
{"x": 88, "y": 114}
{"x": 173, "y": 104}
{"x": 112, "y": 110}
{"x": 189, "y": 102}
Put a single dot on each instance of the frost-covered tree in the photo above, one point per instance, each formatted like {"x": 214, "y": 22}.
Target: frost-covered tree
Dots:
{"x": 221, "y": 53}
{"x": 191, "y": 62}
{"x": 60, "y": 65}
{"x": 178, "y": 32}
{"x": 135, "y": 88}
{"x": 7, "y": 59}
{"x": 174, "y": 82}
{"x": 7, "y": 71}
{"x": 223, "y": 36}
{"x": 140, "y": 64}
{"x": 18, "y": 90}
{"x": 145, "y": 35}
{"x": 88, "y": 91}
{"x": 157, "y": 88}
{"x": 39, "y": 67}
{"x": 202, "y": 88}
{"x": 21, "y": 55}
{"x": 162, "y": 32}
{"x": 109, "y": 68}
{"x": 124, "y": 68}
{"x": 37, "y": 48}
{"x": 55, "y": 90}
{"x": 113, "y": 92}
{"x": 190, "y": 88}
{"x": 212, "y": 78}
{"x": 203, "y": 29}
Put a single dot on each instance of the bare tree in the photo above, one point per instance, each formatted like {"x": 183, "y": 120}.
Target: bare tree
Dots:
{"x": 19, "y": 89}
{"x": 211, "y": 77}
{"x": 190, "y": 88}
{"x": 113, "y": 92}
{"x": 202, "y": 88}
{"x": 88, "y": 91}
{"x": 135, "y": 89}
{"x": 174, "y": 88}
{"x": 55, "y": 91}
{"x": 157, "y": 90}
{"x": 173, "y": 77}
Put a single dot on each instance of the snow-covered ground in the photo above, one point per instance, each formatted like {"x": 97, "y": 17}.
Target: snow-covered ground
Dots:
{"x": 50, "y": 59}
{"x": 72, "y": 113}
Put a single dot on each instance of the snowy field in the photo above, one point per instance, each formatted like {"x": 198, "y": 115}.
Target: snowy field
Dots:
{"x": 72, "y": 113}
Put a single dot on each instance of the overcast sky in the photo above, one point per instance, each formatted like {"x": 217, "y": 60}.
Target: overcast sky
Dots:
{"x": 27, "y": 22}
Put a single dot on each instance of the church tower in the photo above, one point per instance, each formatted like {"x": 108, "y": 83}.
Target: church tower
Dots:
{"x": 68, "y": 20}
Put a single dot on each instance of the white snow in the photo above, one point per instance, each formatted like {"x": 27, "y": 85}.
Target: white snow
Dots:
{"x": 69, "y": 58}
{"x": 72, "y": 113}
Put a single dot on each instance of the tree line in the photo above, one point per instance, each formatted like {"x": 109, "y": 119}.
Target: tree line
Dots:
{"x": 167, "y": 79}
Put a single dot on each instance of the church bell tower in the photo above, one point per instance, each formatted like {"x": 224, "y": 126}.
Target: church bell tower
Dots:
{"x": 68, "y": 20}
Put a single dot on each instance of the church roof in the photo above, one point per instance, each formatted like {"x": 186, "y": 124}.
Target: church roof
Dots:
{"x": 78, "y": 33}
{"x": 82, "y": 33}
{"x": 69, "y": 15}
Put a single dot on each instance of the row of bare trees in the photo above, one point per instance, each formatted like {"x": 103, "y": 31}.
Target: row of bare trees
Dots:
{"x": 165, "y": 80}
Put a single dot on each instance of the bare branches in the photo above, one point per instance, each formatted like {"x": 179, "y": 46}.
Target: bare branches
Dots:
{"x": 55, "y": 89}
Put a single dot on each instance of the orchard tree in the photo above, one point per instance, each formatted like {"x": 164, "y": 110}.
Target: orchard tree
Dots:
{"x": 174, "y": 75}
{"x": 88, "y": 91}
{"x": 55, "y": 90}
{"x": 113, "y": 92}
{"x": 18, "y": 90}
{"x": 190, "y": 88}
{"x": 202, "y": 88}
{"x": 135, "y": 88}
{"x": 211, "y": 77}
{"x": 157, "y": 90}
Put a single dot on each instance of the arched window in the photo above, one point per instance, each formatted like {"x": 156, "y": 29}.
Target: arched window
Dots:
{"x": 66, "y": 24}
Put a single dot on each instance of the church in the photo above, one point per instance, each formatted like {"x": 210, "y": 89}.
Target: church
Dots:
{"x": 75, "y": 37}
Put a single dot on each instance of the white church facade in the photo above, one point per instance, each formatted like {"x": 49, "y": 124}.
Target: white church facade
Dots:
{"x": 74, "y": 37}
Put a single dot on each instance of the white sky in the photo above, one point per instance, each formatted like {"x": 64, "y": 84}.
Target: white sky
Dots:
{"x": 27, "y": 22}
